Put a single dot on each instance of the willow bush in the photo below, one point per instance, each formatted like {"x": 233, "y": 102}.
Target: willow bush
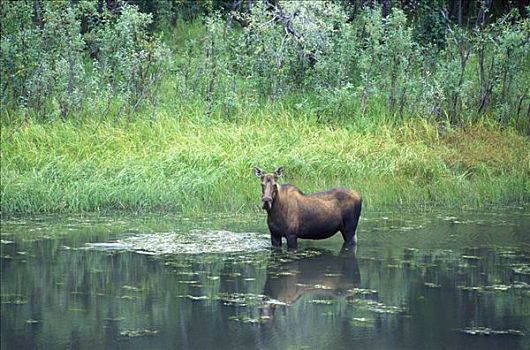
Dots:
{"x": 75, "y": 58}
{"x": 372, "y": 66}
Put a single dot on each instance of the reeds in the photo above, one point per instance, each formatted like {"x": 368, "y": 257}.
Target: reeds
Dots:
{"x": 197, "y": 165}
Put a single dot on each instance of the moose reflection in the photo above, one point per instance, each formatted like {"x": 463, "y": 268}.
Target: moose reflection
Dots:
{"x": 293, "y": 214}
{"x": 323, "y": 274}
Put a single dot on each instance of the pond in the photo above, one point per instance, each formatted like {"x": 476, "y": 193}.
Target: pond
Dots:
{"x": 417, "y": 280}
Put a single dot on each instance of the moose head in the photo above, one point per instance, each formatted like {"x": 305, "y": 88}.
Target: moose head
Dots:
{"x": 269, "y": 186}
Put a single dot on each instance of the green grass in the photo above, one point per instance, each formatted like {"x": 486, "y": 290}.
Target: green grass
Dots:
{"x": 197, "y": 165}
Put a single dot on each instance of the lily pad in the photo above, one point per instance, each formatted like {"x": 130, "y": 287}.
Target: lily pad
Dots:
{"x": 482, "y": 331}
{"x": 471, "y": 257}
{"x": 322, "y": 301}
{"x": 250, "y": 320}
{"x": 377, "y": 307}
{"x": 131, "y": 288}
{"x": 139, "y": 333}
{"x": 195, "y": 298}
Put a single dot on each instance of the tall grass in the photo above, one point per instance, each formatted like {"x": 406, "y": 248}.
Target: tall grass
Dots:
{"x": 181, "y": 128}
{"x": 190, "y": 164}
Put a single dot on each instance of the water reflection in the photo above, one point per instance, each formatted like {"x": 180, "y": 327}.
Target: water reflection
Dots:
{"x": 402, "y": 289}
{"x": 320, "y": 273}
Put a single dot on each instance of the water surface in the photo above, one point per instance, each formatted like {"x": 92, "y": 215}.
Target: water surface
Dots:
{"x": 429, "y": 280}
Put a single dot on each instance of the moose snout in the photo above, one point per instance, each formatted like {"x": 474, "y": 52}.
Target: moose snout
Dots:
{"x": 267, "y": 202}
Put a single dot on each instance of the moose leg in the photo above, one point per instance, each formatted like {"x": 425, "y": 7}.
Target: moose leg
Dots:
{"x": 348, "y": 231}
{"x": 349, "y": 225}
{"x": 350, "y": 239}
{"x": 276, "y": 241}
{"x": 292, "y": 242}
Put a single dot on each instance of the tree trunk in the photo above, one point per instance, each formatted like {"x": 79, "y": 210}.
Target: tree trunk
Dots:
{"x": 385, "y": 8}
{"x": 482, "y": 15}
{"x": 39, "y": 20}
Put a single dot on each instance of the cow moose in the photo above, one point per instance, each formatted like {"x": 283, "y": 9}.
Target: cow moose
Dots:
{"x": 293, "y": 214}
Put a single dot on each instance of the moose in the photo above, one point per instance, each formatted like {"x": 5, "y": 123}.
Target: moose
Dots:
{"x": 293, "y": 214}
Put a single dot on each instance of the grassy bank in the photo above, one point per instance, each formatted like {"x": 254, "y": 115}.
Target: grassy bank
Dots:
{"x": 194, "y": 165}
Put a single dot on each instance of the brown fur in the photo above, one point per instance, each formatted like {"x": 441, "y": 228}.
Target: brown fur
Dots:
{"x": 293, "y": 215}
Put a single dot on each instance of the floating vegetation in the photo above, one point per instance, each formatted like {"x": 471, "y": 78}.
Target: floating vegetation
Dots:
{"x": 365, "y": 292}
{"x": 497, "y": 288}
{"x": 286, "y": 273}
{"x": 131, "y": 288}
{"x": 322, "y": 286}
{"x": 188, "y": 282}
{"x": 14, "y": 299}
{"x": 488, "y": 331}
{"x": 271, "y": 301}
{"x": 250, "y": 320}
{"x": 521, "y": 285}
{"x": 242, "y": 299}
{"x": 115, "y": 319}
{"x": 195, "y": 298}
{"x": 377, "y": 307}
{"x": 139, "y": 333}
{"x": 432, "y": 285}
{"x": 146, "y": 252}
{"x": 510, "y": 254}
{"x": 193, "y": 242}
{"x": 4, "y": 241}
{"x": 470, "y": 288}
{"x": 187, "y": 273}
{"x": 129, "y": 297}
{"x": 522, "y": 270}
{"x": 362, "y": 322}
{"x": 109, "y": 246}
{"x": 322, "y": 301}
{"x": 32, "y": 321}
{"x": 471, "y": 257}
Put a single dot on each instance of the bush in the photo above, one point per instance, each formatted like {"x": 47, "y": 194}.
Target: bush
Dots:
{"x": 48, "y": 66}
{"x": 371, "y": 67}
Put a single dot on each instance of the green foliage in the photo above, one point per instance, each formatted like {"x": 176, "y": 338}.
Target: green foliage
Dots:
{"x": 130, "y": 62}
{"x": 372, "y": 67}
{"x": 82, "y": 59}
{"x": 47, "y": 64}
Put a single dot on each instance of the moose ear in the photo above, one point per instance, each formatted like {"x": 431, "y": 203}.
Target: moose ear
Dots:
{"x": 258, "y": 171}
{"x": 279, "y": 172}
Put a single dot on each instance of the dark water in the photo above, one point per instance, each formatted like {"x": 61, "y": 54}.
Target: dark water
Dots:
{"x": 436, "y": 280}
